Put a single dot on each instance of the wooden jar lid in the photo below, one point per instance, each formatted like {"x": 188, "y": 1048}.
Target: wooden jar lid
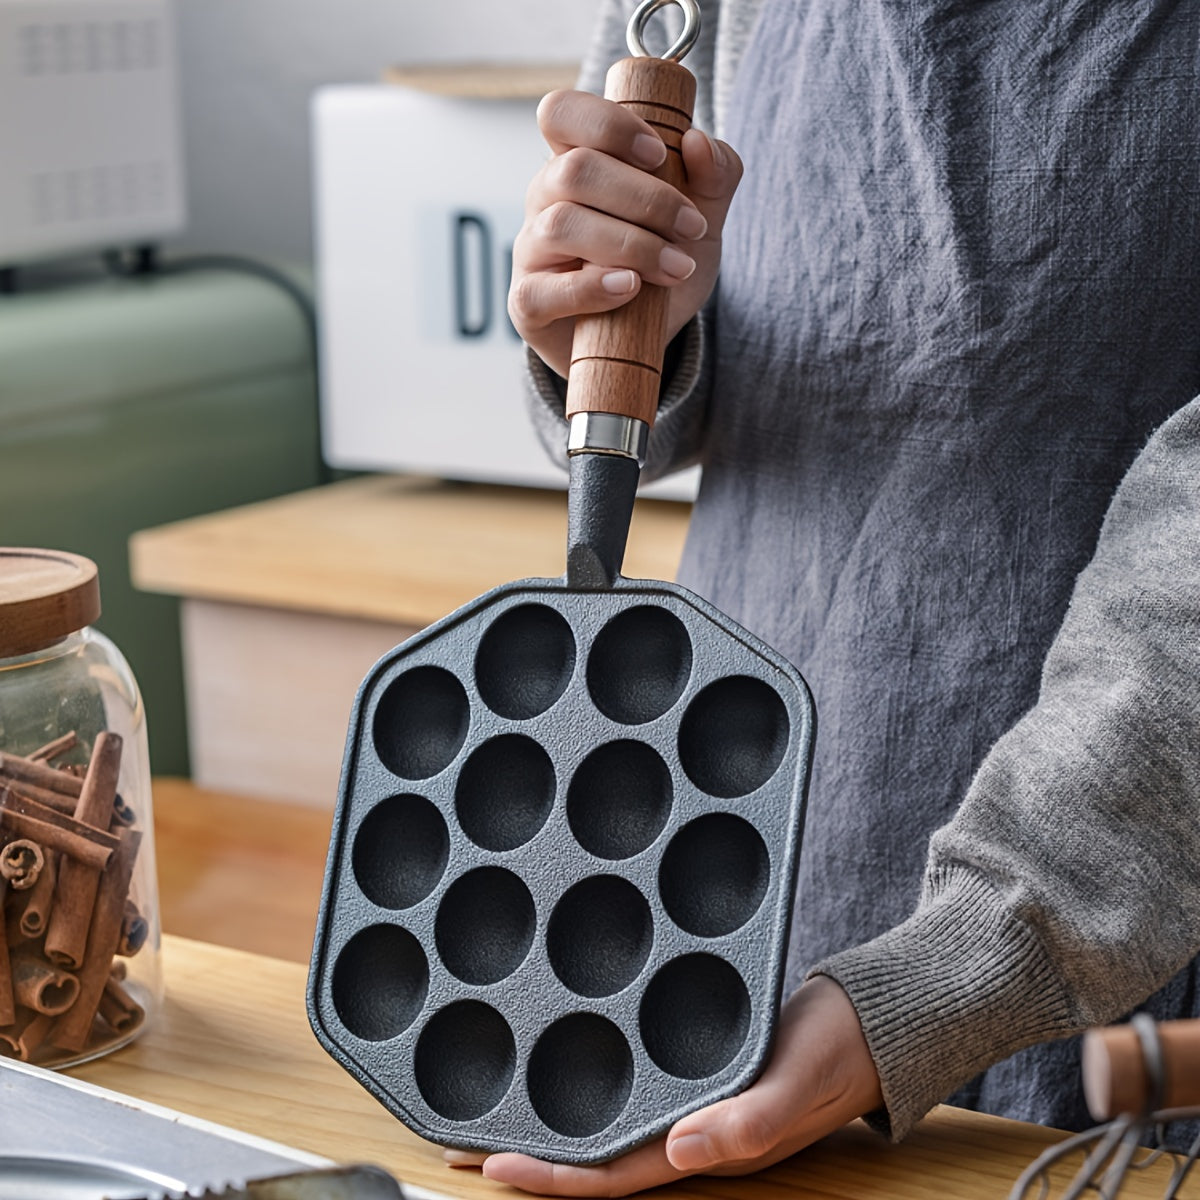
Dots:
{"x": 45, "y": 595}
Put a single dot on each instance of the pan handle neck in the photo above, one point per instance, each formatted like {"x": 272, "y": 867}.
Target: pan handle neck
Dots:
{"x": 599, "y": 507}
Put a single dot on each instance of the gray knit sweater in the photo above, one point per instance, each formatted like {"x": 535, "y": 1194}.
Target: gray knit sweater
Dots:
{"x": 952, "y": 470}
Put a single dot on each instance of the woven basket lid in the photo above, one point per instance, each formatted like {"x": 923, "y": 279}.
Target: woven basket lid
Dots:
{"x": 45, "y": 595}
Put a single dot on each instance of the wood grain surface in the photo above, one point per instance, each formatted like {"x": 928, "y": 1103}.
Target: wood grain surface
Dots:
{"x": 385, "y": 548}
{"x": 269, "y": 695}
{"x": 233, "y": 1046}
{"x": 241, "y": 872}
{"x": 44, "y": 596}
{"x": 484, "y": 81}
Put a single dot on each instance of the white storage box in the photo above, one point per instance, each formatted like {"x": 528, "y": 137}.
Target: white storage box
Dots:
{"x": 418, "y": 199}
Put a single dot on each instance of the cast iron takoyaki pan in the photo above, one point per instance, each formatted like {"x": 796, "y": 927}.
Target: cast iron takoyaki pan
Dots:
{"x": 560, "y": 877}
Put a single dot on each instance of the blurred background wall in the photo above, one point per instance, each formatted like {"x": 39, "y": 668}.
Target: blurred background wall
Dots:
{"x": 250, "y": 66}
{"x": 132, "y": 396}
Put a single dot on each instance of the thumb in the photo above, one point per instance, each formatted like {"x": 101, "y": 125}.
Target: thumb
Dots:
{"x": 713, "y": 173}
{"x": 745, "y": 1127}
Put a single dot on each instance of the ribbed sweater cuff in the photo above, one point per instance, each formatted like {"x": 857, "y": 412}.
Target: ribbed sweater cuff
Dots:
{"x": 960, "y": 985}
{"x": 548, "y": 393}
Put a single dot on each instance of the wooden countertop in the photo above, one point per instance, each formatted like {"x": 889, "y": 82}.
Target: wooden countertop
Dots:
{"x": 237, "y": 870}
{"x": 387, "y": 548}
{"x": 485, "y": 81}
{"x": 233, "y": 1046}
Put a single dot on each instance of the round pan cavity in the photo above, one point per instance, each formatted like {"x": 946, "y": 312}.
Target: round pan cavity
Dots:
{"x": 465, "y": 1060}
{"x": 714, "y": 874}
{"x": 639, "y": 664}
{"x": 580, "y": 1075}
{"x": 619, "y": 799}
{"x": 485, "y": 925}
{"x": 505, "y": 792}
{"x": 379, "y": 982}
{"x": 525, "y": 661}
{"x": 600, "y": 935}
{"x": 695, "y": 1015}
{"x": 733, "y": 736}
{"x": 421, "y": 722}
{"x": 400, "y": 851}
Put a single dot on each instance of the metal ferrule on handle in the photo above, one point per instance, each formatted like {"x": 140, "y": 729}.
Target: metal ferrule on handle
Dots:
{"x": 608, "y": 433}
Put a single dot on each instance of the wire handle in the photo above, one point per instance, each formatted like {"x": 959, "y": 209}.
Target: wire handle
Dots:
{"x": 681, "y": 45}
{"x": 1143, "y": 1075}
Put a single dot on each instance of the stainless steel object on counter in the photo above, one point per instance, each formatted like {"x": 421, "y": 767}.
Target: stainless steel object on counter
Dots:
{"x": 1143, "y": 1076}
{"x": 333, "y": 1183}
{"x": 62, "y": 1139}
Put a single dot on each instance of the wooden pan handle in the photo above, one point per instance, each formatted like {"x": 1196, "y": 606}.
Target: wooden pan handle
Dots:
{"x": 1116, "y": 1079}
{"x": 616, "y": 357}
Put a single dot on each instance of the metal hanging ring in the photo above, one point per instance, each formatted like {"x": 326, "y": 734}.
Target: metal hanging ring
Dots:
{"x": 681, "y": 45}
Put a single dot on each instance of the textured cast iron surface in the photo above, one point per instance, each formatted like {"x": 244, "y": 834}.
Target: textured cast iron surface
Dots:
{"x": 561, "y": 869}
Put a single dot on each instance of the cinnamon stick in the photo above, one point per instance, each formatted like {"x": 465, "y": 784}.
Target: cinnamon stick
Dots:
{"x": 27, "y": 818}
{"x": 75, "y": 896}
{"x": 12, "y": 913}
{"x": 118, "y": 1009}
{"x": 41, "y": 986}
{"x": 71, "y": 1029}
{"x": 53, "y": 749}
{"x": 8, "y": 1007}
{"x": 25, "y": 770}
{"x": 135, "y": 929}
{"x": 21, "y": 862}
{"x": 100, "y": 783}
{"x": 37, "y": 908}
{"x": 54, "y": 801}
{"x": 21, "y": 1037}
{"x": 122, "y": 814}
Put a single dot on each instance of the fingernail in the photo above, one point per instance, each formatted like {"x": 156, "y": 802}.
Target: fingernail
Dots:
{"x": 462, "y": 1158}
{"x": 718, "y": 151}
{"x": 690, "y": 224}
{"x": 693, "y": 1152}
{"x": 675, "y": 263}
{"x": 617, "y": 283}
{"x": 648, "y": 151}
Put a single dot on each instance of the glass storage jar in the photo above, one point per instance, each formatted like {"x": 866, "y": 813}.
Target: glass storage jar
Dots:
{"x": 79, "y": 934}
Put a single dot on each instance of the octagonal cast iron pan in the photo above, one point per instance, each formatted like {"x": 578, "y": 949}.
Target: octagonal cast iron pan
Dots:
{"x": 560, "y": 877}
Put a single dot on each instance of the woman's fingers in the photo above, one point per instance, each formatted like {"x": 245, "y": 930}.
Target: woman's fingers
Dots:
{"x": 569, "y": 119}
{"x": 819, "y": 1077}
{"x": 587, "y": 177}
{"x": 538, "y": 299}
{"x": 714, "y": 171}
{"x": 464, "y": 1158}
{"x": 568, "y": 233}
{"x": 598, "y": 224}
{"x": 643, "y": 1168}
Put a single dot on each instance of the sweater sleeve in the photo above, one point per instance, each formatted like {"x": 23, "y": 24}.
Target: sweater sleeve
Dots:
{"x": 676, "y": 441}
{"x": 677, "y": 437}
{"x": 1065, "y": 891}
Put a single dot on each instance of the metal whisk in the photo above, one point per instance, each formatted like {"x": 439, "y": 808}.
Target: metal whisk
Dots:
{"x": 1138, "y": 1078}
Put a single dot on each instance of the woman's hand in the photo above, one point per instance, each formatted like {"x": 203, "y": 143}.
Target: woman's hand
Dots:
{"x": 819, "y": 1077}
{"x": 597, "y": 224}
